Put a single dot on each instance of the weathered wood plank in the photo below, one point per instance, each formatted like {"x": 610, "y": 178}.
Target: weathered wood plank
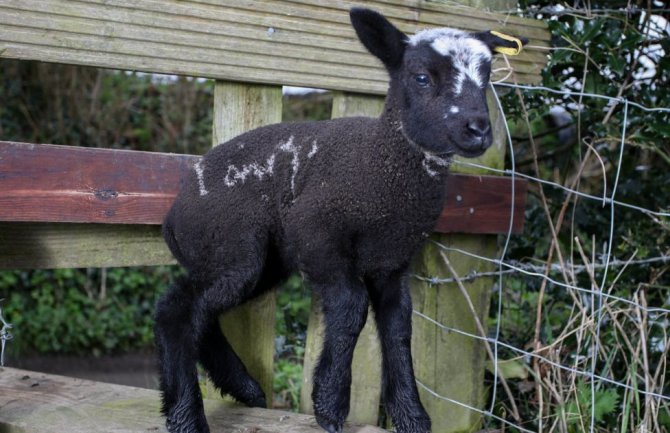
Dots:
{"x": 471, "y": 198}
{"x": 409, "y": 14}
{"x": 75, "y": 184}
{"x": 278, "y": 42}
{"x": 40, "y": 403}
{"x": 63, "y": 245}
{"x": 250, "y": 329}
{"x": 49, "y": 183}
{"x": 366, "y": 365}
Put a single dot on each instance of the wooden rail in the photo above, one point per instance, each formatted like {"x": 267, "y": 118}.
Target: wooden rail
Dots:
{"x": 49, "y": 183}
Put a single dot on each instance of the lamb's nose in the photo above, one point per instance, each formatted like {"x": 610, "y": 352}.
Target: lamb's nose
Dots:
{"x": 478, "y": 128}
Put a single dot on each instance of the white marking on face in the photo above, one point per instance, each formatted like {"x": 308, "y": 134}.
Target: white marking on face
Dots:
{"x": 466, "y": 53}
{"x": 295, "y": 163}
{"x": 199, "y": 171}
{"x": 454, "y": 109}
{"x": 313, "y": 151}
{"x": 428, "y": 159}
{"x": 235, "y": 175}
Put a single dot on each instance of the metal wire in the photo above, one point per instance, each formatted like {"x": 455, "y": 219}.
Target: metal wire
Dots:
{"x": 553, "y": 281}
{"x": 597, "y": 292}
{"x": 5, "y": 336}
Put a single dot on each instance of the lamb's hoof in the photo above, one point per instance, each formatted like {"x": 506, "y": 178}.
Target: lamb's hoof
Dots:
{"x": 184, "y": 423}
{"x": 257, "y": 402}
{"x": 329, "y": 425}
{"x": 251, "y": 395}
{"x": 419, "y": 425}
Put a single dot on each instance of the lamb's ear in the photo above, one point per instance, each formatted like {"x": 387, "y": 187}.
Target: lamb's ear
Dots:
{"x": 379, "y": 36}
{"x": 502, "y": 43}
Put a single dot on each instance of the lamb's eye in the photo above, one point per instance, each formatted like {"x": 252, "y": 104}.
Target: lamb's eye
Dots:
{"x": 422, "y": 80}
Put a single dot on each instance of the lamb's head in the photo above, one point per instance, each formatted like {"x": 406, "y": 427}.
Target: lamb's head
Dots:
{"x": 438, "y": 83}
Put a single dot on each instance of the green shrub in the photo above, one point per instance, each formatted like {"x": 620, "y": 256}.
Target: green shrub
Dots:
{"x": 82, "y": 311}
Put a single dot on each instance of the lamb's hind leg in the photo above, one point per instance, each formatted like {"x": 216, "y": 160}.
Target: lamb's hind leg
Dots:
{"x": 226, "y": 369}
{"x": 182, "y": 319}
{"x": 220, "y": 360}
{"x": 176, "y": 343}
{"x": 345, "y": 307}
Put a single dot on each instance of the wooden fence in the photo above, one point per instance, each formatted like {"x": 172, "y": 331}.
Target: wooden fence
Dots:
{"x": 81, "y": 207}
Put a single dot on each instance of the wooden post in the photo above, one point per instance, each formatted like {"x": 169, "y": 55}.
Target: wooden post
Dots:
{"x": 448, "y": 363}
{"x": 366, "y": 365}
{"x": 249, "y": 328}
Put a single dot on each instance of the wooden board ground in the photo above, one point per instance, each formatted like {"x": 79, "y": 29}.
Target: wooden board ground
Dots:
{"x": 42, "y": 403}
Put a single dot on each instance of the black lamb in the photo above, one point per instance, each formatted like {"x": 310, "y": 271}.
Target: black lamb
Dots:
{"x": 346, "y": 202}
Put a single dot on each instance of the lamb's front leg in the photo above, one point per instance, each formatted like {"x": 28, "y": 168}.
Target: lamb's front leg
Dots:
{"x": 345, "y": 307}
{"x": 393, "y": 312}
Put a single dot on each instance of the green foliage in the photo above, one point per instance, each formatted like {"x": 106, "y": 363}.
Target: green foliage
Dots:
{"x": 82, "y": 311}
{"x": 599, "y": 48}
{"x": 293, "y": 305}
{"x": 577, "y": 411}
{"x": 287, "y": 383}
{"x": 310, "y": 106}
{"x": 81, "y": 106}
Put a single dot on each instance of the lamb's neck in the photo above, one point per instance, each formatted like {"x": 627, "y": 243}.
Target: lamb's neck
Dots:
{"x": 397, "y": 141}
{"x": 392, "y": 126}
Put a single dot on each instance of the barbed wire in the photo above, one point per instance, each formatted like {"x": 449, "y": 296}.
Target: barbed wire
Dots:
{"x": 554, "y": 267}
{"x": 552, "y": 280}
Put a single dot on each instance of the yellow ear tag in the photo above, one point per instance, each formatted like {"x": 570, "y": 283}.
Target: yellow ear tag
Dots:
{"x": 508, "y": 50}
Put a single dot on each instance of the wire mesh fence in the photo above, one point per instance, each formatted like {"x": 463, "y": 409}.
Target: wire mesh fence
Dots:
{"x": 609, "y": 354}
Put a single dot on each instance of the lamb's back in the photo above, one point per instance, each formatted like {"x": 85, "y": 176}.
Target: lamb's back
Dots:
{"x": 332, "y": 179}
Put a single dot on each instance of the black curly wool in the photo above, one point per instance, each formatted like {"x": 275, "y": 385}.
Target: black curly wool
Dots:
{"x": 347, "y": 203}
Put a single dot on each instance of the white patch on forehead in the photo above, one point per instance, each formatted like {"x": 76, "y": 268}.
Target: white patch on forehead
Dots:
{"x": 454, "y": 109}
{"x": 200, "y": 173}
{"x": 430, "y": 35}
{"x": 466, "y": 53}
